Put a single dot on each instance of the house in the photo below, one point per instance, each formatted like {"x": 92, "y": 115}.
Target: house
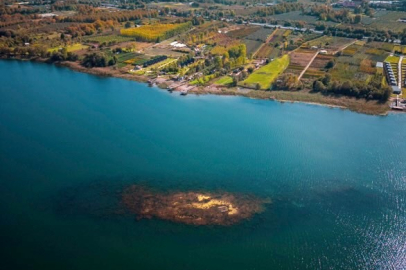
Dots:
{"x": 396, "y": 89}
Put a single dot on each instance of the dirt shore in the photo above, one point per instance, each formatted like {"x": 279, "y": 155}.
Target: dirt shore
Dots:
{"x": 353, "y": 104}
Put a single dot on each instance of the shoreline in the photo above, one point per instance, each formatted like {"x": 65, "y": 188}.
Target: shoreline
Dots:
{"x": 347, "y": 103}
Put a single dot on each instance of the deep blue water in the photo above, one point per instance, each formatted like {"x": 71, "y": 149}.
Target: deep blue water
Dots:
{"x": 69, "y": 142}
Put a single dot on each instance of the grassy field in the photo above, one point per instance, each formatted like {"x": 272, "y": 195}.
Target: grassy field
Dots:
{"x": 392, "y": 59}
{"x": 155, "y": 67}
{"x": 203, "y": 80}
{"x": 226, "y": 80}
{"x": 108, "y": 39}
{"x": 265, "y": 75}
{"x": 399, "y": 49}
{"x": 71, "y": 48}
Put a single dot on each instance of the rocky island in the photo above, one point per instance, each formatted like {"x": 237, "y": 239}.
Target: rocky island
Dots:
{"x": 195, "y": 208}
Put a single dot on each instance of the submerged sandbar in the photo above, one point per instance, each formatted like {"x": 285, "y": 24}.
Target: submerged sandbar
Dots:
{"x": 196, "y": 208}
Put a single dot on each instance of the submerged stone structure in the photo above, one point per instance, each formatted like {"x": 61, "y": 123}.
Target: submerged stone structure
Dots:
{"x": 196, "y": 208}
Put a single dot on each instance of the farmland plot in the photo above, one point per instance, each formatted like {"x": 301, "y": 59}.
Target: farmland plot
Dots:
{"x": 298, "y": 16}
{"x": 153, "y": 51}
{"x": 264, "y": 76}
{"x": 358, "y": 61}
{"x": 317, "y": 68}
{"x": 331, "y": 44}
{"x": 351, "y": 50}
{"x": 252, "y": 45}
{"x": 260, "y": 35}
{"x": 265, "y": 51}
{"x": 299, "y": 59}
{"x": 387, "y": 20}
{"x": 222, "y": 40}
{"x": 312, "y": 73}
{"x": 344, "y": 71}
{"x": 276, "y": 52}
{"x": 108, "y": 39}
{"x": 155, "y": 32}
{"x": 388, "y": 47}
{"x": 243, "y": 32}
{"x": 122, "y": 57}
{"x": 321, "y": 61}
{"x": 278, "y": 36}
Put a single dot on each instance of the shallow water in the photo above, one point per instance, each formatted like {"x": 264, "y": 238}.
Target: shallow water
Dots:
{"x": 69, "y": 143}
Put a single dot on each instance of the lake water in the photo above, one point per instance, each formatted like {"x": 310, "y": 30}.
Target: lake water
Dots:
{"x": 69, "y": 142}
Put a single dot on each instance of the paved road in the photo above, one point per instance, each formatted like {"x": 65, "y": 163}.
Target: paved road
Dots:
{"x": 400, "y": 72}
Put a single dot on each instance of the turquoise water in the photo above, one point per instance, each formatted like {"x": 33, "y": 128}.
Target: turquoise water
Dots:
{"x": 69, "y": 142}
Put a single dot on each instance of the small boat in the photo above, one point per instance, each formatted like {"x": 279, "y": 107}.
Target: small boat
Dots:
{"x": 183, "y": 92}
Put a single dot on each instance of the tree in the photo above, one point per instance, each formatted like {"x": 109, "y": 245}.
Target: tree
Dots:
{"x": 72, "y": 56}
{"x": 218, "y": 62}
{"x": 346, "y": 88}
{"x": 357, "y": 19}
{"x": 327, "y": 79}
{"x": 330, "y": 64}
{"x": 318, "y": 86}
{"x": 235, "y": 81}
{"x": 95, "y": 60}
{"x": 64, "y": 53}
